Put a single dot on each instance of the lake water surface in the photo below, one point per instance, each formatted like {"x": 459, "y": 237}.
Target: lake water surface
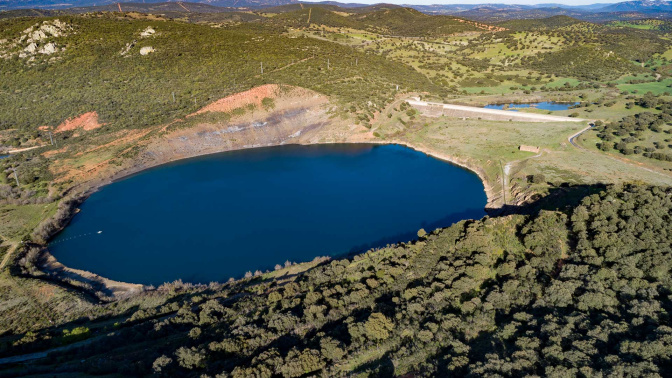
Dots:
{"x": 218, "y": 216}
{"x": 544, "y": 105}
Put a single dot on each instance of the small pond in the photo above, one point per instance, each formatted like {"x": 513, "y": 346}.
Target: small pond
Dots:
{"x": 545, "y": 105}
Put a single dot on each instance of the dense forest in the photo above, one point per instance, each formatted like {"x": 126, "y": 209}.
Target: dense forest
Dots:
{"x": 583, "y": 290}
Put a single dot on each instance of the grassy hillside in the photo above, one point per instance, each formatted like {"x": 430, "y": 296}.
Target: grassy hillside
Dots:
{"x": 556, "y": 293}
{"x": 197, "y": 64}
{"x": 317, "y": 16}
{"x": 397, "y": 21}
{"x": 583, "y": 62}
{"x": 549, "y": 23}
{"x": 409, "y": 22}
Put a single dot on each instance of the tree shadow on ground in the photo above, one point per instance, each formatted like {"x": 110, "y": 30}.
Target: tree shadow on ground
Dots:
{"x": 564, "y": 197}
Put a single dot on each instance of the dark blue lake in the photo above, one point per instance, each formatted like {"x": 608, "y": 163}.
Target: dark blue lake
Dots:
{"x": 545, "y": 105}
{"x": 214, "y": 217}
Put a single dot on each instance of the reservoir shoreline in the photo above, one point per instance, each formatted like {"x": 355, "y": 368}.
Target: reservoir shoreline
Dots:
{"x": 291, "y": 117}
{"x": 314, "y": 193}
{"x": 118, "y": 289}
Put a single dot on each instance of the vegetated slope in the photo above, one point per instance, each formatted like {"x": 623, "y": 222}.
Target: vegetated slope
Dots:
{"x": 101, "y": 69}
{"x": 318, "y": 16}
{"x": 549, "y": 23}
{"x": 300, "y": 6}
{"x": 96, "y": 65}
{"x": 633, "y": 44}
{"x": 153, "y": 8}
{"x": 583, "y": 62}
{"x": 412, "y": 23}
{"x": 588, "y": 51}
{"x": 639, "y": 6}
{"x": 395, "y": 21}
{"x": 644, "y": 133}
{"x": 53, "y": 4}
{"x": 490, "y": 14}
{"x": 585, "y": 290}
{"x": 29, "y": 13}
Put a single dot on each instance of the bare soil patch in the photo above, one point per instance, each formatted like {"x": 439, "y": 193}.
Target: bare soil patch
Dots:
{"x": 87, "y": 121}
{"x": 239, "y": 100}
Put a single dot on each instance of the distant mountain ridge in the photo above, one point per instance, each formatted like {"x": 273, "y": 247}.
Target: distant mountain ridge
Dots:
{"x": 489, "y": 12}
{"x": 639, "y": 6}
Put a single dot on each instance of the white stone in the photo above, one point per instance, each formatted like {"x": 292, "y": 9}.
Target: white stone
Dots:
{"x": 146, "y": 50}
{"x": 31, "y": 48}
{"x": 148, "y": 32}
{"x": 126, "y": 49}
{"x": 36, "y": 36}
{"x": 48, "y": 49}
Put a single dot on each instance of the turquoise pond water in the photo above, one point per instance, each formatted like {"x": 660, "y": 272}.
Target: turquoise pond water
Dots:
{"x": 545, "y": 105}
{"x": 218, "y": 216}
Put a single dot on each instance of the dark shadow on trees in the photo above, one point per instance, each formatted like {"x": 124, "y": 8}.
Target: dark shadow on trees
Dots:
{"x": 561, "y": 198}
{"x": 381, "y": 367}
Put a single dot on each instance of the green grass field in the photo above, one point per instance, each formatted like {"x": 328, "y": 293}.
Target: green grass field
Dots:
{"x": 17, "y": 221}
{"x": 655, "y": 87}
{"x": 633, "y": 25}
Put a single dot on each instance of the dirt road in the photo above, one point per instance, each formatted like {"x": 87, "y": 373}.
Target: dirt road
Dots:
{"x": 574, "y": 136}
{"x": 23, "y": 150}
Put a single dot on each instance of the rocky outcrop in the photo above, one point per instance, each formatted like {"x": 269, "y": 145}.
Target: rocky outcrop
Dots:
{"x": 127, "y": 48}
{"x": 148, "y": 32}
{"x": 298, "y": 117}
{"x": 48, "y": 49}
{"x": 146, "y": 50}
{"x": 40, "y": 38}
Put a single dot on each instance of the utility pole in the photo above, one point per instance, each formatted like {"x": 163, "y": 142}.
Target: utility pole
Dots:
{"x": 356, "y": 60}
{"x": 16, "y": 177}
{"x": 327, "y": 64}
{"x": 51, "y": 137}
{"x": 173, "y": 96}
{"x": 262, "y": 68}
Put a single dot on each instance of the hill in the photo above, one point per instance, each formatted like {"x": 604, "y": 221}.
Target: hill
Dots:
{"x": 644, "y": 6}
{"x": 316, "y": 15}
{"x": 549, "y": 23}
{"x": 394, "y": 21}
{"x": 172, "y": 69}
{"x": 410, "y": 22}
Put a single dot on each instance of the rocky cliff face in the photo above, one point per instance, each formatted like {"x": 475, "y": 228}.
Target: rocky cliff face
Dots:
{"x": 298, "y": 116}
{"x": 291, "y": 125}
